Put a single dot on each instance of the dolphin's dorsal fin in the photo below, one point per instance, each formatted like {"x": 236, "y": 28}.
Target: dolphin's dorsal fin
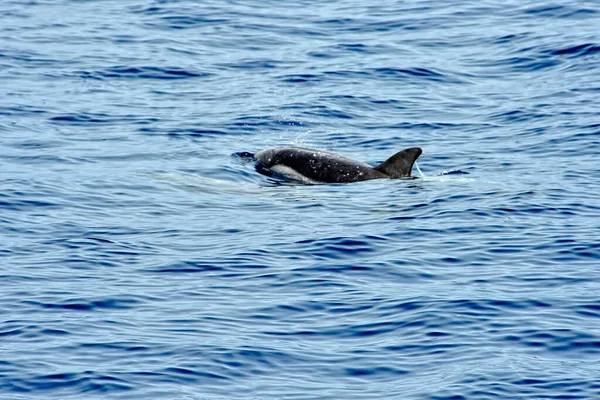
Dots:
{"x": 400, "y": 164}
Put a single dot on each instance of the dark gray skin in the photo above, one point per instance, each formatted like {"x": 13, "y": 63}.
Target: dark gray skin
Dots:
{"x": 325, "y": 167}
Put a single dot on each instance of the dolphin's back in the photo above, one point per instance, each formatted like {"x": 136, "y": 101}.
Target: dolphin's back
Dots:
{"x": 316, "y": 165}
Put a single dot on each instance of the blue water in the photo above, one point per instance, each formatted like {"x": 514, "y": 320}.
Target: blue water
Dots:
{"x": 141, "y": 260}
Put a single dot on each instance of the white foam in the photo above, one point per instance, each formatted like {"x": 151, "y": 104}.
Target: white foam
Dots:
{"x": 419, "y": 169}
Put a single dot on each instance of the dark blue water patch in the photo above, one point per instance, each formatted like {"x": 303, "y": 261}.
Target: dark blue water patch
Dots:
{"x": 336, "y": 21}
{"x": 499, "y": 385}
{"x": 589, "y": 310}
{"x": 532, "y": 60}
{"x": 498, "y": 305}
{"x": 83, "y": 382}
{"x": 589, "y": 142}
{"x": 370, "y": 25}
{"x": 362, "y": 100}
{"x": 22, "y": 110}
{"x": 576, "y": 51}
{"x": 344, "y": 74}
{"x": 191, "y": 373}
{"x": 524, "y": 116}
{"x": 186, "y": 21}
{"x": 191, "y": 132}
{"x": 171, "y": 18}
{"x": 557, "y": 340}
{"x": 79, "y": 119}
{"x": 300, "y": 78}
{"x": 76, "y": 304}
{"x": 451, "y": 397}
{"x": 338, "y": 247}
{"x": 100, "y": 240}
{"x": 560, "y": 11}
{"x": 247, "y": 360}
{"x": 529, "y": 64}
{"x": 343, "y": 24}
{"x": 20, "y": 204}
{"x": 116, "y": 347}
{"x": 339, "y": 268}
{"x": 512, "y": 38}
{"x": 41, "y": 159}
{"x": 252, "y": 121}
{"x": 54, "y": 332}
{"x": 415, "y": 73}
{"x": 320, "y": 55}
{"x": 8, "y": 330}
{"x": 454, "y": 172}
{"x": 397, "y": 24}
{"x": 254, "y": 65}
{"x": 29, "y": 332}
{"x": 378, "y": 328}
{"x": 527, "y": 209}
{"x": 100, "y": 118}
{"x": 543, "y": 57}
{"x": 34, "y": 144}
{"x": 354, "y": 47}
{"x": 107, "y": 251}
{"x": 341, "y": 49}
{"x": 144, "y": 72}
{"x": 229, "y": 268}
{"x": 377, "y": 371}
{"x": 421, "y": 72}
{"x": 27, "y": 57}
{"x": 189, "y": 267}
{"x": 153, "y": 9}
{"x": 296, "y": 31}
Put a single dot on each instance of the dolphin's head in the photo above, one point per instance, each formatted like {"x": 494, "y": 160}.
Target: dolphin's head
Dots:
{"x": 267, "y": 158}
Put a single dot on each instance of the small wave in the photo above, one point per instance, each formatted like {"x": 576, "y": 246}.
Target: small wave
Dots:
{"x": 328, "y": 112}
{"x": 258, "y": 65}
{"x": 560, "y": 11}
{"x": 300, "y": 78}
{"x": 453, "y": 172}
{"x": 87, "y": 305}
{"x": 187, "y": 22}
{"x": 530, "y": 64}
{"x": 78, "y": 119}
{"x": 519, "y": 116}
{"x": 577, "y": 51}
{"x": 25, "y": 204}
{"x": 99, "y": 118}
{"x": 418, "y": 72}
{"x": 84, "y": 382}
{"x": 196, "y": 133}
{"x": 124, "y": 72}
{"x": 339, "y": 247}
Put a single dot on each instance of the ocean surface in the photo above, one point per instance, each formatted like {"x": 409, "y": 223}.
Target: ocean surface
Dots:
{"x": 140, "y": 259}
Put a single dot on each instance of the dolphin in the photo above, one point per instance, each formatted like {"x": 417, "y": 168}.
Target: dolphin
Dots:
{"x": 319, "y": 166}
